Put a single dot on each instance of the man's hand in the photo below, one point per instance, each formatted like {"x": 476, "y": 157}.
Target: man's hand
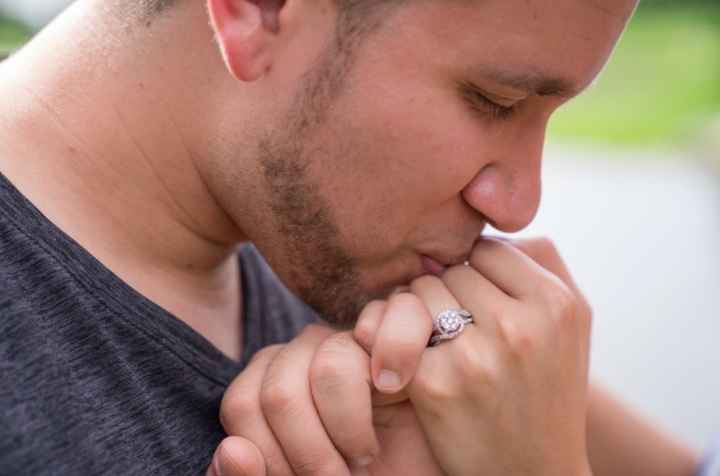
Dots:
{"x": 308, "y": 409}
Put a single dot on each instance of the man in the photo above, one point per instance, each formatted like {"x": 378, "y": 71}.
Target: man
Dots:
{"x": 359, "y": 145}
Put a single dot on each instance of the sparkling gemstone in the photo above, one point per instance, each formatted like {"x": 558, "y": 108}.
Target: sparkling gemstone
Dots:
{"x": 449, "y": 322}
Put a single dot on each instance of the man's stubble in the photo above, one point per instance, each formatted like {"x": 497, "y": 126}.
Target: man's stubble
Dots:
{"x": 320, "y": 270}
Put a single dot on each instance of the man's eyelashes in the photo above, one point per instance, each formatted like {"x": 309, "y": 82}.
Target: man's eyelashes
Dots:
{"x": 479, "y": 102}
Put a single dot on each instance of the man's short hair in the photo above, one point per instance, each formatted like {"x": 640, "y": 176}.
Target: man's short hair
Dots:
{"x": 154, "y": 7}
{"x": 356, "y": 18}
{"x": 157, "y": 6}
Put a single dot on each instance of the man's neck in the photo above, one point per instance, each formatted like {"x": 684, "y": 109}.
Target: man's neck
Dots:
{"x": 103, "y": 156}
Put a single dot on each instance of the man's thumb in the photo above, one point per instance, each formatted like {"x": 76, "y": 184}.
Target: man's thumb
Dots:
{"x": 237, "y": 457}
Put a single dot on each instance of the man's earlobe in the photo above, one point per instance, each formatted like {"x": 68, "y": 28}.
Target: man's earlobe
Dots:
{"x": 244, "y": 30}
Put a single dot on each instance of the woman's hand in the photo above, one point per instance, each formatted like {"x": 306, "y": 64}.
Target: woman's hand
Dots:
{"x": 507, "y": 396}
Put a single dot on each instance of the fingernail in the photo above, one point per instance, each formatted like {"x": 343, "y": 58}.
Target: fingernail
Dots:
{"x": 388, "y": 381}
{"x": 400, "y": 290}
{"x": 363, "y": 461}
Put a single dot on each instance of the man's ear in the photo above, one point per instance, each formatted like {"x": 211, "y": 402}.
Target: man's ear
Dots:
{"x": 245, "y": 30}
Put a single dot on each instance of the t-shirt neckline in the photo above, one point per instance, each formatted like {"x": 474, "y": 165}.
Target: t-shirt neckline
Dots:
{"x": 119, "y": 297}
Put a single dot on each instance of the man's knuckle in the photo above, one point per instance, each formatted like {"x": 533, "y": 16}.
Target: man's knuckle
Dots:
{"x": 326, "y": 377}
{"x": 325, "y": 367}
{"x": 364, "y": 332}
{"x": 238, "y": 405}
{"x": 277, "y": 397}
{"x": 334, "y": 351}
{"x": 365, "y": 328}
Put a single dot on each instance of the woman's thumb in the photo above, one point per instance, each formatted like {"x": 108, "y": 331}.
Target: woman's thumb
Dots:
{"x": 237, "y": 457}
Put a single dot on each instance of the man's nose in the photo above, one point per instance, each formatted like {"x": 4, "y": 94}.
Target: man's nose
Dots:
{"x": 507, "y": 191}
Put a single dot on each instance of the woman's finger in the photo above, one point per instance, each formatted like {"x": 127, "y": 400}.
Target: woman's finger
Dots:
{"x": 508, "y": 268}
{"x": 399, "y": 342}
{"x": 434, "y": 294}
{"x": 341, "y": 387}
{"x": 544, "y": 252}
{"x": 456, "y": 367}
{"x": 475, "y": 293}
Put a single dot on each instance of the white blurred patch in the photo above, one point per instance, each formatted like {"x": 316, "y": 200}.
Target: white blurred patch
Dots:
{"x": 34, "y": 13}
{"x": 640, "y": 230}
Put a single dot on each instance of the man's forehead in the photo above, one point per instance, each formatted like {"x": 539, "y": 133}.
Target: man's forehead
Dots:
{"x": 619, "y": 9}
{"x": 515, "y": 16}
{"x": 615, "y": 8}
{"x": 545, "y": 47}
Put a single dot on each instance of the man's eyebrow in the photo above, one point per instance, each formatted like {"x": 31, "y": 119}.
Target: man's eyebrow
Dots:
{"x": 535, "y": 83}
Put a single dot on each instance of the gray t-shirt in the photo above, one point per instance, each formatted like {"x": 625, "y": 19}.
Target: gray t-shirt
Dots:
{"x": 95, "y": 378}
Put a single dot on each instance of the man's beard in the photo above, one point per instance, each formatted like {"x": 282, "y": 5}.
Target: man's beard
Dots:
{"x": 318, "y": 268}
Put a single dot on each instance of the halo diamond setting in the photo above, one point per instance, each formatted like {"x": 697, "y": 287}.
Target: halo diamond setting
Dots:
{"x": 449, "y": 324}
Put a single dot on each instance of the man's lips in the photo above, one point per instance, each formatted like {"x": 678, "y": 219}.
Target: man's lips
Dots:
{"x": 432, "y": 266}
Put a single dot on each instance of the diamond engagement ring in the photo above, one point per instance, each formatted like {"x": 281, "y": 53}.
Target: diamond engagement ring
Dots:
{"x": 449, "y": 324}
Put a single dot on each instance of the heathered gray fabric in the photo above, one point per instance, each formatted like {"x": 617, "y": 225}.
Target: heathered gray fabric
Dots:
{"x": 96, "y": 379}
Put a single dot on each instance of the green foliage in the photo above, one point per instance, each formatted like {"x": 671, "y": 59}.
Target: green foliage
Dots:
{"x": 12, "y": 35}
{"x": 662, "y": 85}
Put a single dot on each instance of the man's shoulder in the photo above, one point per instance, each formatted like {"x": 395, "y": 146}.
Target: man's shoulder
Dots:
{"x": 21, "y": 325}
{"x": 13, "y": 298}
{"x": 20, "y": 252}
{"x": 32, "y": 263}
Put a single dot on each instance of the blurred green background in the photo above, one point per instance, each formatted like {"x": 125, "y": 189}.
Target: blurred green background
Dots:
{"x": 12, "y": 35}
{"x": 662, "y": 86}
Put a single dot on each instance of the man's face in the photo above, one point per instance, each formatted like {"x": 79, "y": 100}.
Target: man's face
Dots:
{"x": 435, "y": 131}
